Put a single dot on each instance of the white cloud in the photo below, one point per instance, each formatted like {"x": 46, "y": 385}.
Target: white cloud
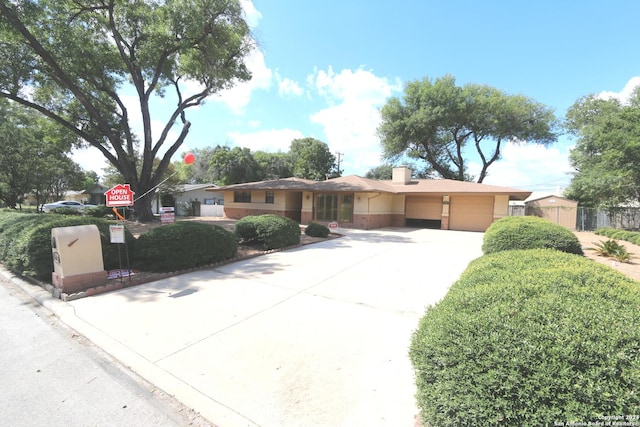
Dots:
{"x": 239, "y": 96}
{"x": 289, "y": 87}
{"x": 352, "y": 117}
{"x": 273, "y": 140}
{"x": 532, "y": 167}
{"x": 90, "y": 159}
{"x": 251, "y": 14}
{"x": 624, "y": 95}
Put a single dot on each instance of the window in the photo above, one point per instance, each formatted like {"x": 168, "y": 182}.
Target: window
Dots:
{"x": 269, "y": 197}
{"x": 242, "y": 196}
{"x": 334, "y": 207}
{"x": 209, "y": 202}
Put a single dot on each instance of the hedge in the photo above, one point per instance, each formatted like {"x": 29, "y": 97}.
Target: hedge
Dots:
{"x": 270, "y": 231}
{"x": 529, "y": 232}
{"x": 615, "y": 233}
{"x": 25, "y": 242}
{"x": 316, "y": 230}
{"x": 530, "y": 338}
{"x": 183, "y": 245}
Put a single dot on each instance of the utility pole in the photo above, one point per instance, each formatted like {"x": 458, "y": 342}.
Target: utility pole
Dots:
{"x": 339, "y": 154}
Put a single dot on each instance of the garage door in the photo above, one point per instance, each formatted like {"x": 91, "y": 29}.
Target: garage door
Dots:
{"x": 470, "y": 213}
{"x": 423, "y": 208}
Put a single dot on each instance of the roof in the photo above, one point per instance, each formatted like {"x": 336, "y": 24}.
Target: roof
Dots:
{"x": 183, "y": 188}
{"x": 541, "y": 195}
{"x": 96, "y": 189}
{"x": 355, "y": 183}
{"x": 274, "y": 184}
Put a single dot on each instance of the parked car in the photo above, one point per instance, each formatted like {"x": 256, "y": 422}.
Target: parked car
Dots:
{"x": 65, "y": 204}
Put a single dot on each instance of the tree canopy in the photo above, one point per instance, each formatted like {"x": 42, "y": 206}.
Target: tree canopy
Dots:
{"x": 437, "y": 121}
{"x": 312, "y": 159}
{"x": 32, "y": 157}
{"x": 607, "y": 152}
{"x": 74, "y": 60}
{"x": 307, "y": 158}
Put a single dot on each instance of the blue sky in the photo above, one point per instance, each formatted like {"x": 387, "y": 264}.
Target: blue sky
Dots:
{"x": 323, "y": 70}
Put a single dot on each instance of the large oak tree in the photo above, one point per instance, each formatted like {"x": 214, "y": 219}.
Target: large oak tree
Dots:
{"x": 606, "y": 157}
{"x": 73, "y": 60}
{"x": 437, "y": 121}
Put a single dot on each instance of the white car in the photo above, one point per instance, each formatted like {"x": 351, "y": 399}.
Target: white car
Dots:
{"x": 65, "y": 204}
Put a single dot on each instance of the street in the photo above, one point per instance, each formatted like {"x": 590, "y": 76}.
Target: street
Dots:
{"x": 53, "y": 376}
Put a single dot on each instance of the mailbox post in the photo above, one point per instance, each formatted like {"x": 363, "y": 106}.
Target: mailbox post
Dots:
{"x": 77, "y": 258}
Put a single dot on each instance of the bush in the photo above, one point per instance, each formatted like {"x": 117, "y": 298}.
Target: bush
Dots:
{"x": 530, "y": 338}
{"x": 529, "y": 232}
{"x": 101, "y": 211}
{"x": 316, "y": 230}
{"x": 245, "y": 229}
{"x": 270, "y": 231}
{"x": 67, "y": 211}
{"x": 612, "y": 249}
{"x": 183, "y": 245}
{"x": 614, "y": 233}
{"x": 25, "y": 242}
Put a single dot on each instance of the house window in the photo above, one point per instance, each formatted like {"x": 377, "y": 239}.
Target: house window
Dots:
{"x": 209, "y": 201}
{"x": 334, "y": 207}
{"x": 269, "y": 197}
{"x": 242, "y": 196}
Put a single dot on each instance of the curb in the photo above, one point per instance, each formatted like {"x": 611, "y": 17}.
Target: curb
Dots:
{"x": 206, "y": 406}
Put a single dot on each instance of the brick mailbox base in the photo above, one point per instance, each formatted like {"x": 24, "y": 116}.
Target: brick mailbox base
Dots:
{"x": 79, "y": 282}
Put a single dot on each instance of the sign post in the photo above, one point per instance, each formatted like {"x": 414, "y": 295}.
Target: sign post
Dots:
{"x": 120, "y": 196}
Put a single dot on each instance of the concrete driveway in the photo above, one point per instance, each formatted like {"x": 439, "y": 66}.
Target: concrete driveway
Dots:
{"x": 313, "y": 336}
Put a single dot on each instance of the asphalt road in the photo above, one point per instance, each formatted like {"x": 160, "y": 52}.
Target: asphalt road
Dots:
{"x": 52, "y": 376}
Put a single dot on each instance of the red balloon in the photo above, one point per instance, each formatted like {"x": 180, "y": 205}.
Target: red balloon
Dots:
{"x": 189, "y": 158}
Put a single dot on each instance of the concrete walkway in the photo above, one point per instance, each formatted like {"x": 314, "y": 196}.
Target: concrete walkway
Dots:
{"x": 313, "y": 336}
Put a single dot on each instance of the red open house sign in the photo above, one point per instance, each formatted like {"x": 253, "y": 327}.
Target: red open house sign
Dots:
{"x": 120, "y": 195}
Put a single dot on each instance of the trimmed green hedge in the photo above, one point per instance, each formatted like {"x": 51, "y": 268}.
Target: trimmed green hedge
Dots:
{"x": 183, "y": 245}
{"x": 529, "y": 232}
{"x": 615, "y": 233}
{"x": 530, "y": 338}
{"x": 316, "y": 230}
{"x": 25, "y": 242}
{"x": 270, "y": 231}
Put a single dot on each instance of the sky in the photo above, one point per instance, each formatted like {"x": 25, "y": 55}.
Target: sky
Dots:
{"x": 324, "y": 70}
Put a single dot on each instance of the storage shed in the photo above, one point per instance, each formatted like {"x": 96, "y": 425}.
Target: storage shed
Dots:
{"x": 557, "y": 209}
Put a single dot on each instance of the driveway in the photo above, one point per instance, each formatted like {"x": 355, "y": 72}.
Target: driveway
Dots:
{"x": 313, "y": 336}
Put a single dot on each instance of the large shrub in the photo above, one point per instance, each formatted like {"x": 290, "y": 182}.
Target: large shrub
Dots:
{"x": 616, "y": 233}
{"x": 316, "y": 230}
{"x": 66, "y": 211}
{"x": 530, "y": 338}
{"x": 529, "y": 232}
{"x": 25, "y": 242}
{"x": 183, "y": 245}
{"x": 270, "y": 231}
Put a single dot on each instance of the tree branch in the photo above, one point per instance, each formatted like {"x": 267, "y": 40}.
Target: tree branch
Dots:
{"x": 62, "y": 122}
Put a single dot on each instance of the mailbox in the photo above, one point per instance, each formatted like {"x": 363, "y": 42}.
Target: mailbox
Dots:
{"x": 77, "y": 258}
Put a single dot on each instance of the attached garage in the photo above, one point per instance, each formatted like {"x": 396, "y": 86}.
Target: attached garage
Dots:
{"x": 423, "y": 207}
{"x": 470, "y": 213}
{"x": 423, "y": 211}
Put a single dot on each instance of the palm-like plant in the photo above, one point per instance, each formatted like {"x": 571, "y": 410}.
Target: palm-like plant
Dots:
{"x": 612, "y": 249}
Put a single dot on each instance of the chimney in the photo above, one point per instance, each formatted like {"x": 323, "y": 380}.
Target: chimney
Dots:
{"x": 401, "y": 175}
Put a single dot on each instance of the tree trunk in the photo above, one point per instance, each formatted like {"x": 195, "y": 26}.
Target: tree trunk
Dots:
{"x": 143, "y": 210}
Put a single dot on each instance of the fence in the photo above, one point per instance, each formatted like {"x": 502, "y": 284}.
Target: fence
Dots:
{"x": 212, "y": 210}
{"x": 589, "y": 219}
